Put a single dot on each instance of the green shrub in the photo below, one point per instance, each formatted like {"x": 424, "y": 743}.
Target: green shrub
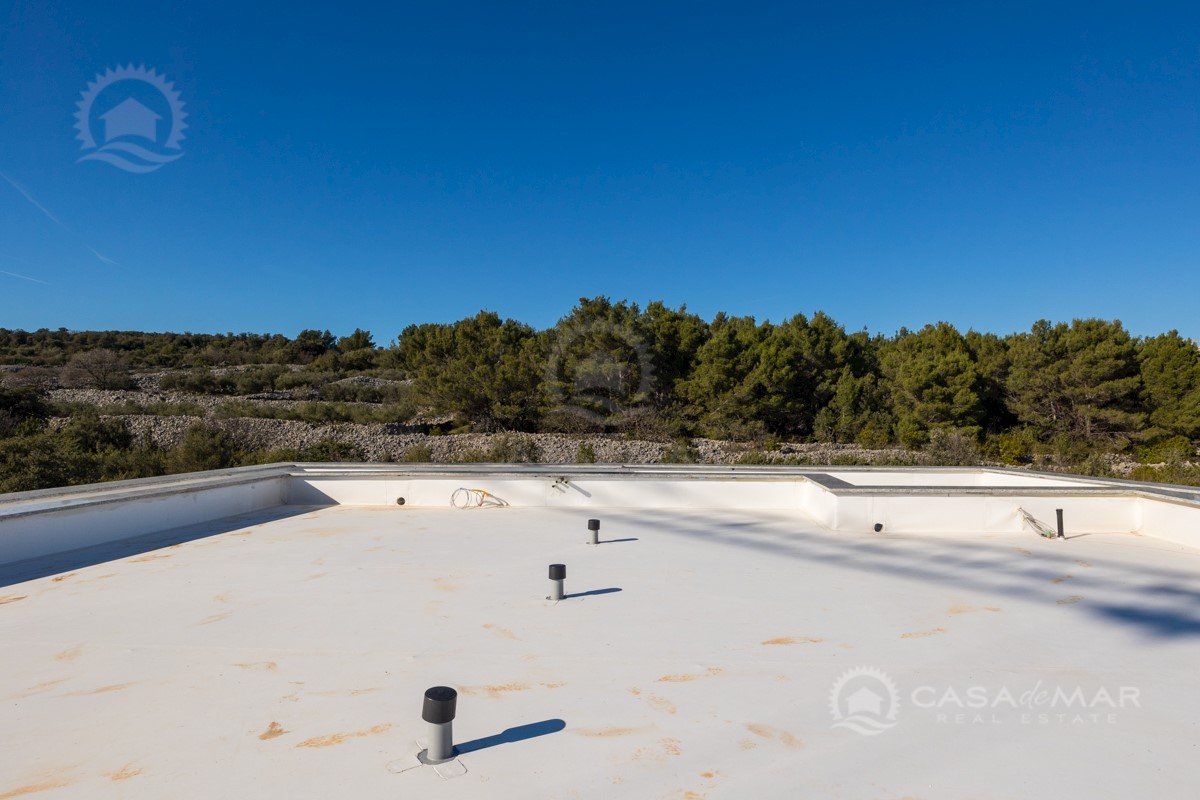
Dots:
{"x": 585, "y": 453}
{"x": 1014, "y": 447}
{"x": 91, "y": 434}
{"x": 248, "y": 383}
{"x": 163, "y": 409}
{"x": 199, "y": 380}
{"x": 122, "y": 409}
{"x": 321, "y": 413}
{"x": 1174, "y": 448}
{"x": 681, "y": 451}
{"x": 41, "y": 461}
{"x": 873, "y": 436}
{"x": 951, "y": 448}
{"x": 1182, "y": 474}
{"x": 273, "y": 456}
{"x": 418, "y": 454}
{"x": 759, "y": 457}
{"x": 203, "y": 448}
{"x": 507, "y": 449}
{"x": 22, "y": 409}
{"x": 1095, "y": 466}
{"x": 293, "y": 380}
{"x": 331, "y": 450}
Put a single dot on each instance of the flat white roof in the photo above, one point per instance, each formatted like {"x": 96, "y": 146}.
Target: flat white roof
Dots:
{"x": 705, "y": 653}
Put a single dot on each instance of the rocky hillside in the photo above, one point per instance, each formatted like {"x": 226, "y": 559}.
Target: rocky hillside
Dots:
{"x": 400, "y": 442}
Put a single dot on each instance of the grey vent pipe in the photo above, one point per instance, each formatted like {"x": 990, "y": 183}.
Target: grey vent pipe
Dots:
{"x": 558, "y": 574}
{"x": 438, "y": 711}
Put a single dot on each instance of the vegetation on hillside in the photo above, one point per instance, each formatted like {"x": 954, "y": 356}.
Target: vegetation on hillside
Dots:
{"x": 1062, "y": 394}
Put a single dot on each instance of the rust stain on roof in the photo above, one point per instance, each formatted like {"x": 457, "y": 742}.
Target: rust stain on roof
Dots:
{"x": 36, "y": 689}
{"x": 112, "y": 687}
{"x": 656, "y": 702}
{"x": 124, "y": 773}
{"x": 495, "y": 689}
{"x": 68, "y": 655}
{"x": 667, "y": 746}
{"x": 498, "y": 690}
{"x": 12, "y": 598}
{"x": 922, "y": 634}
{"x": 661, "y": 704}
{"x": 775, "y": 734}
{"x": 504, "y": 633}
{"x": 33, "y": 788}
{"x": 781, "y": 640}
{"x": 59, "y": 578}
{"x": 274, "y": 730}
{"x": 215, "y": 618}
{"x": 149, "y": 557}
{"x": 605, "y": 733}
{"x": 1069, "y": 601}
{"x": 338, "y": 738}
{"x": 265, "y": 666}
{"x": 963, "y": 608}
{"x": 684, "y": 678}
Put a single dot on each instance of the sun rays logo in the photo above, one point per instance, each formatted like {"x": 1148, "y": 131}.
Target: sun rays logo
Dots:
{"x": 865, "y": 700}
{"x": 131, "y": 117}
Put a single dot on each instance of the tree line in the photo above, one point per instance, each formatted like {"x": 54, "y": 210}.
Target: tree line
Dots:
{"x": 1071, "y": 389}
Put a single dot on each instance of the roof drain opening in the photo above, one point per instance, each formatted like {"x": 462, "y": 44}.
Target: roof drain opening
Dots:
{"x": 878, "y": 527}
{"x": 594, "y": 527}
{"x": 438, "y": 711}
{"x": 558, "y": 574}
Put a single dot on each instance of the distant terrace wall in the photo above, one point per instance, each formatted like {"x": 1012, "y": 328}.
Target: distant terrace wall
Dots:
{"x": 902, "y": 500}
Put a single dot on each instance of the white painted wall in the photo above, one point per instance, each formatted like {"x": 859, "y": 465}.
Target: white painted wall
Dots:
{"x": 42, "y": 523}
{"x": 1172, "y": 521}
{"x": 82, "y": 524}
{"x": 936, "y": 477}
{"x": 968, "y": 514}
{"x": 542, "y": 491}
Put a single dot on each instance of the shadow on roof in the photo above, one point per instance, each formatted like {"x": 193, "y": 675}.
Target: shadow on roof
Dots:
{"x": 512, "y": 735}
{"x": 1137, "y": 598}
{"x": 55, "y": 563}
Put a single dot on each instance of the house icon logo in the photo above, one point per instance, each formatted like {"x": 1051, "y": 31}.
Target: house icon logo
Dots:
{"x": 865, "y": 700}
{"x": 132, "y": 118}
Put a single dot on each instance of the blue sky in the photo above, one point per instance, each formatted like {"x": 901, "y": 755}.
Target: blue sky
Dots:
{"x": 361, "y": 166}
